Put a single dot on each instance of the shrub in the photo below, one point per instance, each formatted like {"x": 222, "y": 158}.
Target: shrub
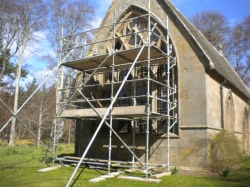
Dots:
{"x": 225, "y": 152}
{"x": 21, "y": 150}
{"x": 225, "y": 172}
{"x": 10, "y": 151}
{"x": 174, "y": 170}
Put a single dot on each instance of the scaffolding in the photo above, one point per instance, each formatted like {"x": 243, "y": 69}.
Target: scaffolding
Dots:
{"x": 135, "y": 51}
{"x": 143, "y": 54}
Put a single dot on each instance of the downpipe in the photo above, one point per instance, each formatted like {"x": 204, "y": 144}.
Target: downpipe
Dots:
{"x": 221, "y": 103}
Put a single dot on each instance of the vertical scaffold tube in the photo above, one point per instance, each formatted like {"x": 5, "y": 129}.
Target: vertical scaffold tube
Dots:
{"x": 134, "y": 122}
{"x": 168, "y": 98}
{"x": 112, "y": 95}
{"x": 148, "y": 90}
{"x": 60, "y": 75}
{"x": 104, "y": 117}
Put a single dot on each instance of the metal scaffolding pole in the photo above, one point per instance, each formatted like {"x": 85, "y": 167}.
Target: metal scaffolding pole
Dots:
{"x": 114, "y": 132}
{"x": 60, "y": 77}
{"x": 25, "y": 126}
{"x": 84, "y": 84}
{"x": 104, "y": 117}
{"x": 148, "y": 90}
{"x": 112, "y": 95}
{"x": 168, "y": 98}
{"x": 20, "y": 108}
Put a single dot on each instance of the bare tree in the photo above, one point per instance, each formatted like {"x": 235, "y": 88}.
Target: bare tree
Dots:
{"x": 235, "y": 41}
{"x": 5, "y": 95}
{"x": 31, "y": 16}
{"x": 45, "y": 106}
{"x": 67, "y": 17}
{"x": 239, "y": 49}
{"x": 213, "y": 25}
{"x": 9, "y": 27}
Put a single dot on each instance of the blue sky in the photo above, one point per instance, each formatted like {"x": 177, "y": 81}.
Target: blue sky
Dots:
{"x": 234, "y": 10}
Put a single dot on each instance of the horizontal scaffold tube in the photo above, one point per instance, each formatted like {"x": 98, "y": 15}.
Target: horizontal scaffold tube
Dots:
{"x": 99, "y": 28}
{"x": 104, "y": 117}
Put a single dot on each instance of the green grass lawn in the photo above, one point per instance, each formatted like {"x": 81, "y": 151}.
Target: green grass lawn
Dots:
{"x": 19, "y": 165}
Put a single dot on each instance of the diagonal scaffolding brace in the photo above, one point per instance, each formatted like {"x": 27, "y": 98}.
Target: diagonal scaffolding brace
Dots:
{"x": 104, "y": 117}
{"x": 25, "y": 126}
{"x": 27, "y": 100}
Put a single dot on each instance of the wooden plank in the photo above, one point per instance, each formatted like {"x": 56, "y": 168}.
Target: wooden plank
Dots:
{"x": 93, "y": 61}
{"x": 157, "y": 176}
{"x": 103, "y": 177}
{"x": 139, "y": 179}
{"x": 49, "y": 169}
{"x": 96, "y": 180}
{"x": 130, "y": 170}
{"x": 112, "y": 161}
{"x": 118, "y": 111}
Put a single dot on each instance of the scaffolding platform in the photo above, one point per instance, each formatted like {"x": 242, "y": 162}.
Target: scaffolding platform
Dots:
{"x": 129, "y": 74}
{"x": 123, "y": 60}
{"x": 103, "y": 162}
{"x": 132, "y": 112}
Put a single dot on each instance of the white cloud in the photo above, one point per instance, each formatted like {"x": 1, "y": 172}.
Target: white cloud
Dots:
{"x": 35, "y": 49}
{"x": 40, "y": 77}
{"x": 41, "y": 47}
{"x": 101, "y": 7}
{"x": 97, "y": 22}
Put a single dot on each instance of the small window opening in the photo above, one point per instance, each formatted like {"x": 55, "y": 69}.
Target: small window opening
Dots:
{"x": 124, "y": 127}
{"x": 107, "y": 77}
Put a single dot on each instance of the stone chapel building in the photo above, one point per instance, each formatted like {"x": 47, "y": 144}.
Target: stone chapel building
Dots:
{"x": 205, "y": 94}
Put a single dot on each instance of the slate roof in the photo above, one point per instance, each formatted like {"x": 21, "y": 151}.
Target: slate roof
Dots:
{"x": 221, "y": 65}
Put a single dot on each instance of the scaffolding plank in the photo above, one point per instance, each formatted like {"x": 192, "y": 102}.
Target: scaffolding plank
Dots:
{"x": 160, "y": 175}
{"x": 103, "y": 177}
{"x": 118, "y": 111}
{"x": 49, "y": 169}
{"x": 140, "y": 179}
{"x": 114, "y": 162}
{"x": 121, "y": 57}
{"x": 128, "y": 65}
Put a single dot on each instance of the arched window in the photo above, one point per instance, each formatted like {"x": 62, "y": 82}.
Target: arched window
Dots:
{"x": 245, "y": 130}
{"x": 229, "y": 113}
{"x": 162, "y": 92}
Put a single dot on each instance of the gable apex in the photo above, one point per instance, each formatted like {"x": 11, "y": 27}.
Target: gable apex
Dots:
{"x": 216, "y": 63}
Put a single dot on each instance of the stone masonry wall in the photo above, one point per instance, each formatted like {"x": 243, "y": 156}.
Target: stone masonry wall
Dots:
{"x": 198, "y": 100}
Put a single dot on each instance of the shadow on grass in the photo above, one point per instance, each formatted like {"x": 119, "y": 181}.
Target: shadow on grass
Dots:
{"x": 78, "y": 175}
{"x": 66, "y": 154}
{"x": 14, "y": 165}
{"x": 240, "y": 178}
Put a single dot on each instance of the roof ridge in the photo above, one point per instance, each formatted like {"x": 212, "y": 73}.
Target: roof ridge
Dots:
{"x": 219, "y": 62}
